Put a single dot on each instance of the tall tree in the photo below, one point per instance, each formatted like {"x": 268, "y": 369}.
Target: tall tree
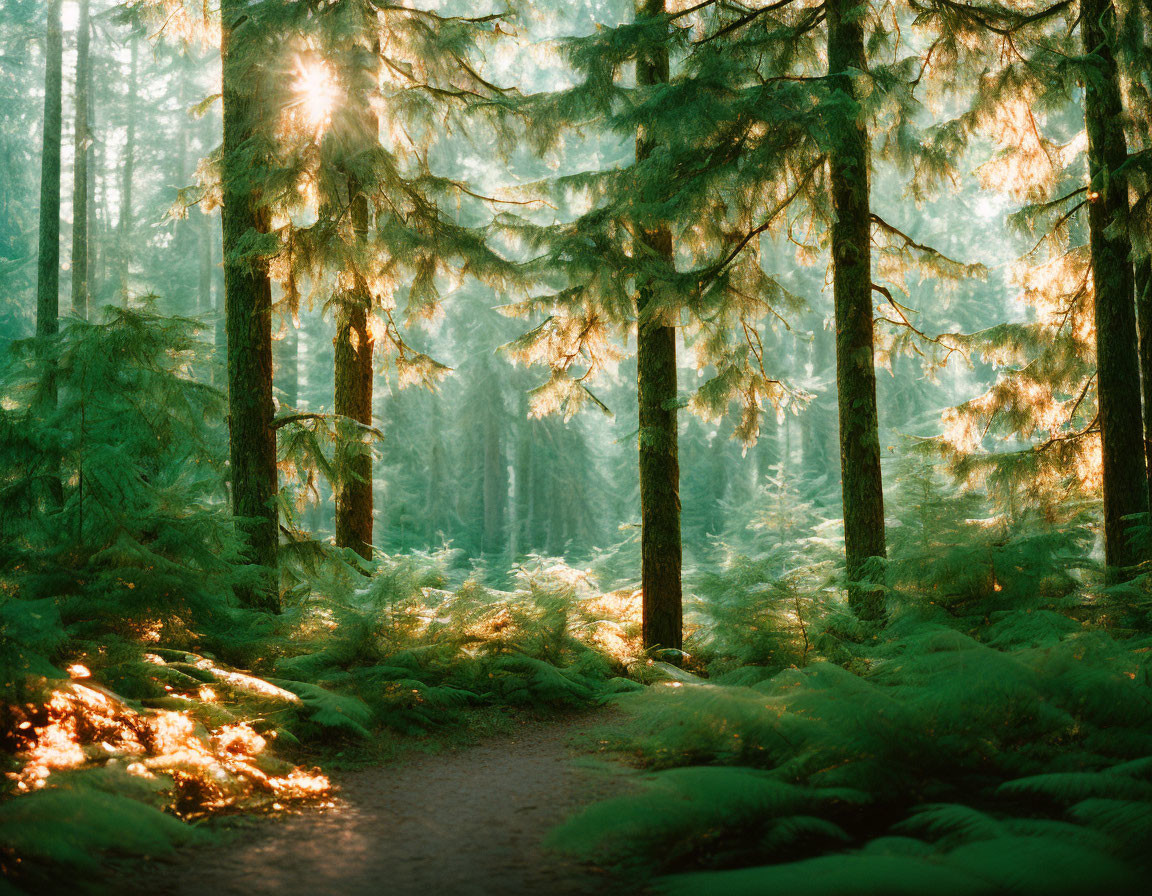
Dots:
{"x": 48, "y": 264}
{"x": 1117, "y": 353}
{"x": 354, "y": 339}
{"x": 247, "y": 302}
{"x": 128, "y": 172}
{"x": 660, "y": 547}
{"x": 81, "y": 268}
{"x": 849, "y": 174}
{"x": 1098, "y": 281}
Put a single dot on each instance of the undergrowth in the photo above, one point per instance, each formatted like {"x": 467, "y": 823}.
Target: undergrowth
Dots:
{"x": 994, "y": 737}
{"x": 140, "y": 693}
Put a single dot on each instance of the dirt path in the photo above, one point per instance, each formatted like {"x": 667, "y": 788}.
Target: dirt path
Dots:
{"x": 461, "y": 823}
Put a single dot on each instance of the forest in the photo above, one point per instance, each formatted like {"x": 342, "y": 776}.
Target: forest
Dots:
{"x": 688, "y": 447}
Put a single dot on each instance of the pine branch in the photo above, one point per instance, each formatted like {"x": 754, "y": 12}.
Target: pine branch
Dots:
{"x": 751, "y": 17}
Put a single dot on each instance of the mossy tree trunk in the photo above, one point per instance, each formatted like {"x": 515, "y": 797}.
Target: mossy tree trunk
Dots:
{"x": 1117, "y": 354}
{"x": 83, "y": 140}
{"x": 248, "y": 319}
{"x": 660, "y": 544}
{"x": 863, "y": 491}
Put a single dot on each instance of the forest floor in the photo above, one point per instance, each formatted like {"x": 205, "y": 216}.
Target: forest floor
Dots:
{"x": 466, "y": 821}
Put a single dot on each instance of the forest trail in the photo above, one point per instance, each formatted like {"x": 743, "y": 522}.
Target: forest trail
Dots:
{"x": 468, "y": 822}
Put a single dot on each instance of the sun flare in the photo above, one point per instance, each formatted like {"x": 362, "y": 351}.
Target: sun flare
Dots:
{"x": 317, "y": 92}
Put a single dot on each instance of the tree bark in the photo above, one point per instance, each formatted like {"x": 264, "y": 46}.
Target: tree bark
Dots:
{"x": 48, "y": 263}
{"x": 862, "y": 485}
{"x": 83, "y": 141}
{"x": 248, "y": 315}
{"x": 660, "y": 545}
{"x": 354, "y": 399}
{"x": 1117, "y": 352}
{"x": 354, "y": 346}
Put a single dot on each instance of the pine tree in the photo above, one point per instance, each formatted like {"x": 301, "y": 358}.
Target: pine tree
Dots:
{"x": 128, "y": 176}
{"x": 48, "y": 265}
{"x": 660, "y": 548}
{"x": 1117, "y": 354}
{"x": 1096, "y": 274}
{"x": 355, "y": 373}
{"x": 248, "y": 302}
{"x": 850, "y": 175}
{"x": 82, "y": 138}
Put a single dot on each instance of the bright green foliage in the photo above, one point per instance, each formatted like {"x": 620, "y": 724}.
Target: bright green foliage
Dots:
{"x": 70, "y": 826}
{"x": 414, "y": 654}
{"x": 994, "y": 739}
{"x": 139, "y": 543}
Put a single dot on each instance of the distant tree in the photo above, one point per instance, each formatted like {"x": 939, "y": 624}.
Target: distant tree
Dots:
{"x": 82, "y": 138}
{"x": 128, "y": 175}
{"x": 48, "y": 266}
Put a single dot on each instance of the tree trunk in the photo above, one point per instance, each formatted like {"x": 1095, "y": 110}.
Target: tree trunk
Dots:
{"x": 48, "y": 264}
{"x": 83, "y": 140}
{"x": 660, "y": 546}
{"x": 495, "y": 488}
{"x": 95, "y": 250}
{"x": 248, "y": 314}
{"x": 127, "y": 174}
{"x": 863, "y": 491}
{"x": 354, "y": 400}
{"x": 1117, "y": 352}
{"x": 353, "y": 359}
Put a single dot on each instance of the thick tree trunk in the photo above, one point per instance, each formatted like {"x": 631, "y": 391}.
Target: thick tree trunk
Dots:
{"x": 1117, "y": 352}
{"x": 127, "y": 175}
{"x": 354, "y": 399}
{"x": 863, "y": 491}
{"x": 83, "y": 141}
{"x": 48, "y": 264}
{"x": 660, "y": 546}
{"x": 248, "y": 314}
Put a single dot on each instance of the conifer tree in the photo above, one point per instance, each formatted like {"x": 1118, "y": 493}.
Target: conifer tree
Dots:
{"x": 82, "y": 139}
{"x": 380, "y": 231}
{"x": 1117, "y": 353}
{"x": 1049, "y": 63}
{"x": 850, "y": 176}
{"x": 660, "y": 539}
{"x": 355, "y": 374}
{"x": 48, "y": 264}
{"x": 128, "y": 174}
{"x": 753, "y": 134}
{"x": 247, "y": 298}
